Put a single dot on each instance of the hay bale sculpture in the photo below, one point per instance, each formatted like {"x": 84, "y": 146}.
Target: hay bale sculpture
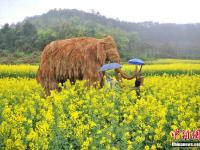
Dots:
{"x": 76, "y": 59}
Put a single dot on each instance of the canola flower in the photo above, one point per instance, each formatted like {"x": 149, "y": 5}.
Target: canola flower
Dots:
{"x": 171, "y": 69}
{"x": 18, "y": 70}
{"x": 80, "y": 118}
{"x": 176, "y": 68}
{"x": 173, "y": 61}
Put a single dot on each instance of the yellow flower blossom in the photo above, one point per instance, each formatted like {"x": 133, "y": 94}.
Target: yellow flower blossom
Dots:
{"x": 99, "y": 118}
{"x": 146, "y": 147}
{"x": 153, "y": 147}
{"x": 32, "y": 135}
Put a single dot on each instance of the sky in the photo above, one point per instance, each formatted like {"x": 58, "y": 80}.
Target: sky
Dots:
{"x": 162, "y": 11}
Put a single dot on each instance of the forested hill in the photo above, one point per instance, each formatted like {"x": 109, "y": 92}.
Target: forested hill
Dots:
{"x": 146, "y": 40}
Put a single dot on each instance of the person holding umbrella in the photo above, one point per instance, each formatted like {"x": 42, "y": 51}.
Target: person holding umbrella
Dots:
{"x": 138, "y": 75}
{"x": 107, "y": 67}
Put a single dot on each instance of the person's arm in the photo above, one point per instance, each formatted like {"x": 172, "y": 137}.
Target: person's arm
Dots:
{"x": 138, "y": 74}
{"x": 136, "y": 70}
{"x": 140, "y": 69}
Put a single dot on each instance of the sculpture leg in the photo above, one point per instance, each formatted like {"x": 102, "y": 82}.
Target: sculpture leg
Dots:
{"x": 51, "y": 85}
{"x": 92, "y": 79}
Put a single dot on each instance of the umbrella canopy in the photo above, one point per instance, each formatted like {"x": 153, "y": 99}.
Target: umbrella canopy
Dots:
{"x": 136, "y": 61}
{"x": 110, "y": 66}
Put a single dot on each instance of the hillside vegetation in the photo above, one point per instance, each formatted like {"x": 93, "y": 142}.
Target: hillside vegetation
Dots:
{"x": 145, "y": 40}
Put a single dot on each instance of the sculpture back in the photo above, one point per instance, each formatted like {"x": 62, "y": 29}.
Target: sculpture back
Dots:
{"x": 73, "y": 59}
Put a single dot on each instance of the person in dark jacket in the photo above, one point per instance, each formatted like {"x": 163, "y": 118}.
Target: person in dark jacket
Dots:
{"x": 138, "y": 82}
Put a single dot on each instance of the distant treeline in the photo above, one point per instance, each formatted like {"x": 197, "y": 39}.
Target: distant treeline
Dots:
{"x": 144, "y": 40}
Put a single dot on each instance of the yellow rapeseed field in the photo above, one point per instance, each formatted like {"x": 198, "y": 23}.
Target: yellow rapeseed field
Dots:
{"x": 172, "y": 69}
{"x": 18, "y": 70}
{"x": 106, "y": 118}
{"x": 29, "y": 71}
{"x": 173, "y": 61}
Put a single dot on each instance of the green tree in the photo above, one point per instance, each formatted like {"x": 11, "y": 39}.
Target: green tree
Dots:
{"x": 7, "y": 38}
{"x": 44, "y": 37}
{"x": 26, "y": 36}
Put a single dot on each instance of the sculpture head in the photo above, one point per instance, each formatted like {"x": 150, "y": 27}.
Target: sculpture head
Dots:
{"x": 111, "y": 51}
{"x": 107, "y": 52}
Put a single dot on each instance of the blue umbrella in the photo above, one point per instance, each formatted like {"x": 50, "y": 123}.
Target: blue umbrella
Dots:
{"x": 136, "y": 61}
{"x": 110, "y": 66}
